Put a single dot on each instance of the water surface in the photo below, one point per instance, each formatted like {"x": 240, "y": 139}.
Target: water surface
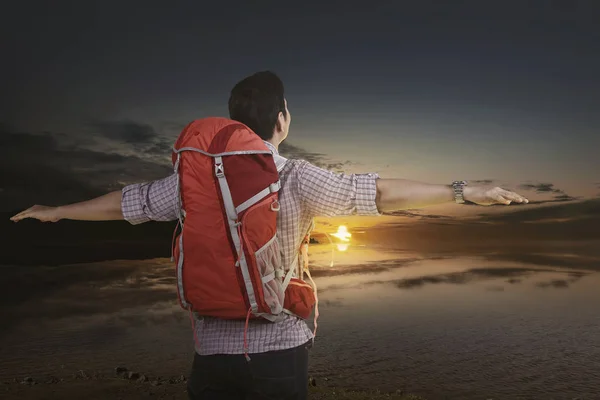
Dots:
{"x": 469, "y": 327}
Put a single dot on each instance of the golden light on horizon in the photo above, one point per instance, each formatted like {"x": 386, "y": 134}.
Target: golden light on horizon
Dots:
{"x": 342, "y": 234}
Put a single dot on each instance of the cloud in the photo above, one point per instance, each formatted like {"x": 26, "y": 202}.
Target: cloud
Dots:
{"x": 125, "y": 131}
{"x": 556, "y": 283}
{"x": 414, "y": 214}
{"x": 559, "y": 194}
{"x": 572, "y": 211}
{"x": 565, "y": 197}
{"x": 563, "y": 234}
{"x": 547, "y": 259}
{"x": 557, "y": 199}
{"x": 483, "y": 181}
{"x": 138, "y": 138}
{"x": 464, "y": 277}
{"x": 541, "y": 187}
{"x": 156, "y": 144}
{"x": 476, "y": 274}
{"x": 55, "y": 168}
{"x": 49, "y": 169}
{"x": 320, "y": 160}
{"x": 509, "y": 274}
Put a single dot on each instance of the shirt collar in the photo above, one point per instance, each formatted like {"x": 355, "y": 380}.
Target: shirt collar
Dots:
{"x": 271, "y": 147}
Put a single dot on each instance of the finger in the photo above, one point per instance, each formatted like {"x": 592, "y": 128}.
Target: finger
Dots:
{"x": 513, "y": 196}
{"x": 500, "y": 199}
{"x": 20, "y": 216}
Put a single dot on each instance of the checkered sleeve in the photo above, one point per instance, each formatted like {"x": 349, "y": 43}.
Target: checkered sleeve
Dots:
{"x": 327, "y": 194}
{"x": 151, "y": 201}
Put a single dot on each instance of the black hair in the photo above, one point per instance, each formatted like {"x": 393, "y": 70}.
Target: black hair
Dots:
{"x": 256, "y": 101}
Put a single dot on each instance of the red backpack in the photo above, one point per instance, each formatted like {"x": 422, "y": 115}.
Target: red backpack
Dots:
{"x": 227, "y": 255}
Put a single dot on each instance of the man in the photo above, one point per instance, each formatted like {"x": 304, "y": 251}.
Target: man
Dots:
{"x": 279, "y": 350}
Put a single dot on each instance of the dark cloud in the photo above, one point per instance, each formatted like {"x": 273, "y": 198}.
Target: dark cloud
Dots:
{"x": 415, "y": 214}
{"x": 320, "y": 160}
{"x": 147, "y": 139}
{"x": 125, "y": 131}
{"x": 53, "y": 168}
{"x": 143, "y": 139}
{"x": 572, "y": 211}
{"x": 464, "y": 277}
{"x": 549, "y": 259}
{"x": 556, "y": 283}
{"x": 160, "y": 147}
{"x": 481, "y": 274}
{"x": 512, "y": 275}
{"x": 39, "y": 169}
{"x": 483, "y": 181}
{"x": 559, "y": 194}
{"x": 565, "y": 197}
{"x": 171, "y": 127}
{"x": 555, "y": 199}
{"x": 540, "y": 187}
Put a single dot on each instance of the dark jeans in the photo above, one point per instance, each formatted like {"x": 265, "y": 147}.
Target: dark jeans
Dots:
{"x": 281, "y": 375}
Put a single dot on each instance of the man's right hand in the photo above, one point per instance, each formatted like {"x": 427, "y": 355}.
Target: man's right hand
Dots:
{"x": 42, "y": 213}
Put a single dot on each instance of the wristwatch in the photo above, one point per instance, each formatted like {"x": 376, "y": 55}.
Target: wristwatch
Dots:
{"x": 458, "y": 187}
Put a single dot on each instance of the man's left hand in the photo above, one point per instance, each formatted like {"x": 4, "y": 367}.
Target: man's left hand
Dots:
{"x": 486, "y": 196}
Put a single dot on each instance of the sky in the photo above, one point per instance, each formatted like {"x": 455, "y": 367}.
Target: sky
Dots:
{"x": 94, "y": 95}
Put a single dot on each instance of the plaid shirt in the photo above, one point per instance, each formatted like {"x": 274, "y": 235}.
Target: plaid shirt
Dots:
{"x": 306, "y": 192}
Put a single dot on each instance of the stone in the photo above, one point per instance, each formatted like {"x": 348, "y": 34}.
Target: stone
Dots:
{"x": 28, "y": 381}
{"x": 133, "y": 375}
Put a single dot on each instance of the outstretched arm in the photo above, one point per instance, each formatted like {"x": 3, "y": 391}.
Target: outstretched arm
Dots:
{"x": 328, "y": 194}
{"x": 103, "y": 208}
{"x": 401, "y": 194}
{"x": 153, "y": 201}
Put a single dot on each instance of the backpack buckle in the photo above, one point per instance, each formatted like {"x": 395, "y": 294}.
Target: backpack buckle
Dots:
{"x": 275, "y": 206}
{"x": 219, "y": 170}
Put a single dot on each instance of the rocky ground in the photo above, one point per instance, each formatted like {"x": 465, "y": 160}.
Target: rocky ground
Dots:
{"x": 125, "y": 384}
